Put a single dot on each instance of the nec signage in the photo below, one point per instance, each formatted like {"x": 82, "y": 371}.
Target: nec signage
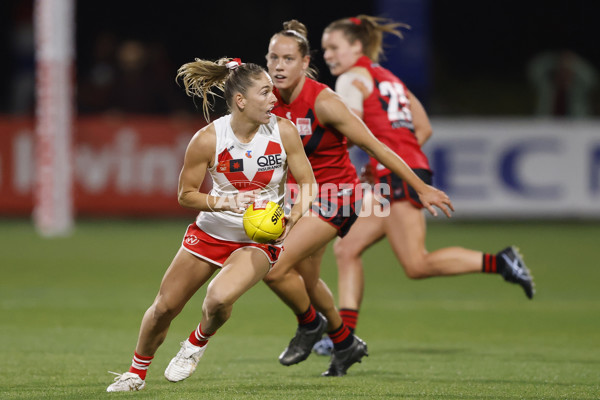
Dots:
{"x": 518, "y": 168}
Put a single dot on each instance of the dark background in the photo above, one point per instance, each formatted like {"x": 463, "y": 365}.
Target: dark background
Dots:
{"x": 477, "y": 52}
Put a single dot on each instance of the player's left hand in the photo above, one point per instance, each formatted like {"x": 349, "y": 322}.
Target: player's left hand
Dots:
{"x": 240, "y": 202}
{"x": 435, "y": 197}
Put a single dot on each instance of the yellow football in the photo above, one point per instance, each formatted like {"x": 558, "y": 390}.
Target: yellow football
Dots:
{"x": 263, "y": 221}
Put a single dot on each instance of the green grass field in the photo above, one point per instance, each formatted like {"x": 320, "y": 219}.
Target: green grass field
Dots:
{"x": 70, "y": 310}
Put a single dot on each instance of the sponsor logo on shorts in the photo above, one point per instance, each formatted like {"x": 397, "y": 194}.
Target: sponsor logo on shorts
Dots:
{"x": 191, "y": 240}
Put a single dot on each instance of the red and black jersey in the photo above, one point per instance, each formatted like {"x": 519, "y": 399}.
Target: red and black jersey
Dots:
{"x": 387, "y": 114}
{"x": 325, "y": 148}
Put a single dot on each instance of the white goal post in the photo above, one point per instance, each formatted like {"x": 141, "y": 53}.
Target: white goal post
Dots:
{"x": 54, "y": 23}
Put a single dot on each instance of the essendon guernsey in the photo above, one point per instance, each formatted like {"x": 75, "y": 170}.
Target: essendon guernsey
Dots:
{"x": 387, "y": 114}
{"x": 326, "y": 149}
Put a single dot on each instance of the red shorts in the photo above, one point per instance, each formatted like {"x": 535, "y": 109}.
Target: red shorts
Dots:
{"x": 216, "y": 251}
{"x": 401, "y": 191}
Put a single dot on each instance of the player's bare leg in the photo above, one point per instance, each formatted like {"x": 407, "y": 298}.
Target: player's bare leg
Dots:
{"x": 407, "y": 238}
{"x": 183, "y": 278}
{"x": 309, "y": 235}
{"x": 186, "y": 274}
{"x": 367, "y": 230}
{"x": 242, "y": 270}
{"x": 406, "y": 229}
{"x": 319, "y": 293}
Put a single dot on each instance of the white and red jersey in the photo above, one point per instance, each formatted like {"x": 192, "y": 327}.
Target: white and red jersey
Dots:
{"x": 387, "y": 114}
{"x": 260, "y": 164}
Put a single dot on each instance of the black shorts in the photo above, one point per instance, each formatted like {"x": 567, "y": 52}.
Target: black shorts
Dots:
{"x": 338, "y": 209}
{"x": 402, "y": 191}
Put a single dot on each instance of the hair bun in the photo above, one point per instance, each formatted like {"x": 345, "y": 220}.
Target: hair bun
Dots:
{"x": 295, "y": 25}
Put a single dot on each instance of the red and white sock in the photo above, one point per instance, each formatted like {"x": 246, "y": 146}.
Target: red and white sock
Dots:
{"x": 140, "y": 364}
{"x": 199, "y": 338}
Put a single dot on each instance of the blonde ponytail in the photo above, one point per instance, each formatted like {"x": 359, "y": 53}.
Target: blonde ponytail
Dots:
{"x": 229, "y": 75}
{"x": 369, "y": 30}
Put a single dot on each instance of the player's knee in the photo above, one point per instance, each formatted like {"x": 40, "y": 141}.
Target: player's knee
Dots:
{"x": 217, "y": 304}
{"x": 416, "y": 270}
{"x": 310, "y": 283}
{"x": 344, "y": 250}
{"x": 274, "y": 276}
{"x": 161, "y": 310}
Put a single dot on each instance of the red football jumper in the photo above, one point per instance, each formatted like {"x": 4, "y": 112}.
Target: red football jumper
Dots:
{"x": 387, "y": 114}
{"x": 326, "y": 149}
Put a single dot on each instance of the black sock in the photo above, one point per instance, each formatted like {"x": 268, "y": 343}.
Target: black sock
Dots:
{"x": 308, "y": 319}
{"x": 341, "y": 337}
{"x": 491, "y": 264}
{"x": 350, "y": 318}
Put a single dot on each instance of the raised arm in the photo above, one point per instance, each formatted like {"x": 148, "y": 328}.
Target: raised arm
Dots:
{"x": 332, "y": 111}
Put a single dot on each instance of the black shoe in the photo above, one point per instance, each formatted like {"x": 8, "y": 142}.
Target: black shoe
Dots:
{"x": 301, "y": 345}
{"x": 343, "y": 359}
{"x": 516, "y": 271}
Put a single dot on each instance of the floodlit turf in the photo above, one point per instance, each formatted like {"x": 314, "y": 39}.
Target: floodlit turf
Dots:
{"x": 70, "y": 310}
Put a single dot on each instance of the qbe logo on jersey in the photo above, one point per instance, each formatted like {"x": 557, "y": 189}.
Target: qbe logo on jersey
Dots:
{"x": 269, "y": 162}
{"x": 304, "y": 126}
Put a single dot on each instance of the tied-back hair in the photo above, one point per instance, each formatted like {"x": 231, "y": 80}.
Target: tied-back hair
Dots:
{"x": 297, "y": 30}
{"x": 200, "y": 77}
{"x": 369, "y": 30}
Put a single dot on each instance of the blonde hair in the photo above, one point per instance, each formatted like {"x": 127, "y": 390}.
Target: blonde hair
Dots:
{"x": 297, "y": 30}
{"x": 369, "y": 30}
{"x": 201, "y": 76}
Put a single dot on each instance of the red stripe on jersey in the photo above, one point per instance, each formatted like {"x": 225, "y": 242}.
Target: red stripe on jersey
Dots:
{"x": 239, "y": 180}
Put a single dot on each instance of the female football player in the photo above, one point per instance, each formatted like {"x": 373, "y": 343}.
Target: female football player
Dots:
{"x": 352, "y": 48}
{"x": 325, "y": 124}
{"x": 217, "y": 241}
